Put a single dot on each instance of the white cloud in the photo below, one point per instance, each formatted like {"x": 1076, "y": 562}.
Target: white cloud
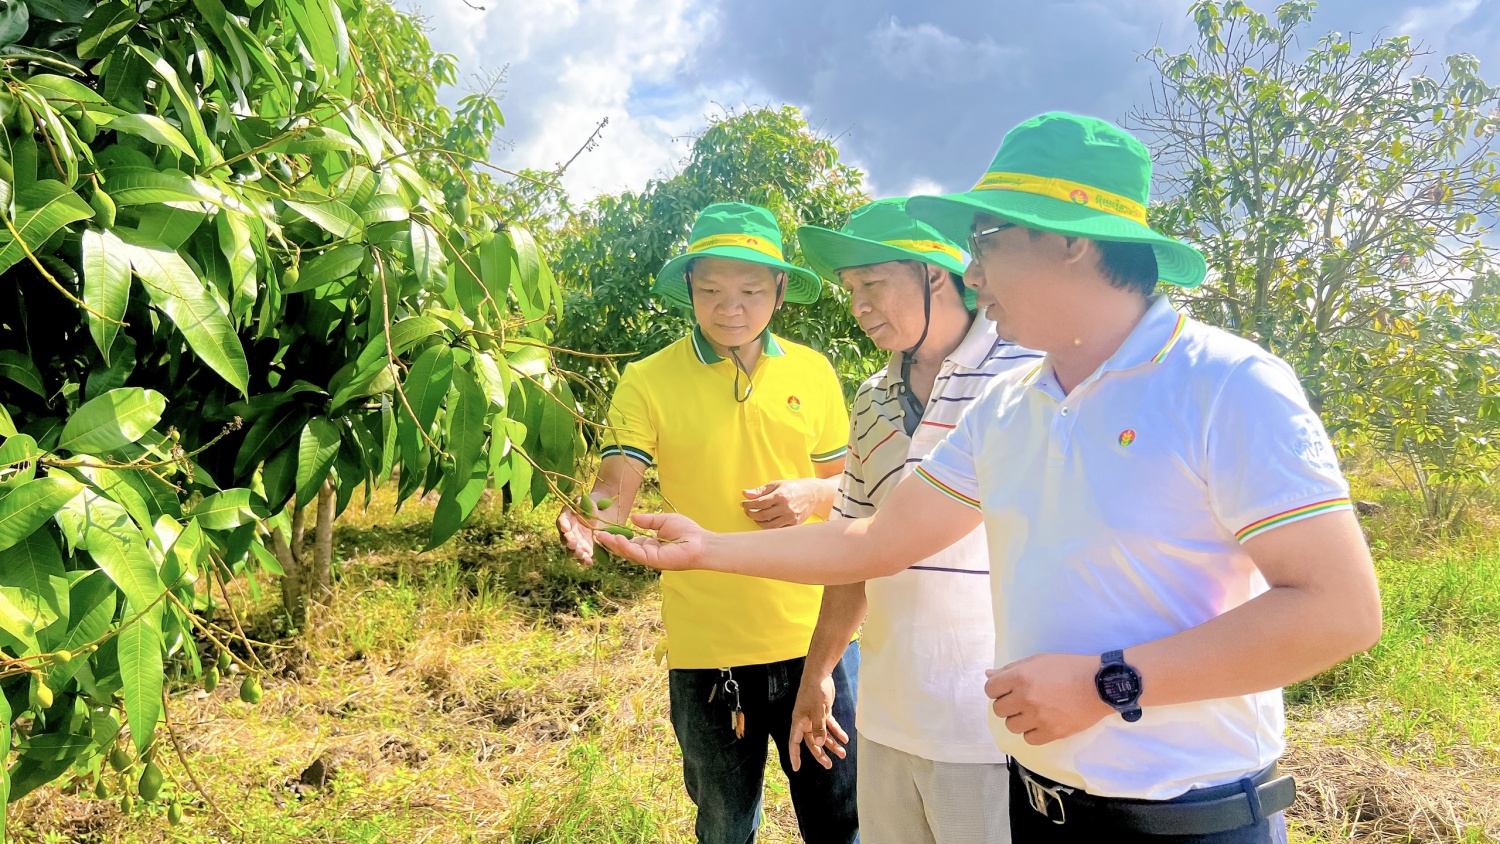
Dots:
{"x": 571, "y": 63}
{"x": 923, "y": 187}
{"x": 927, "y": 51}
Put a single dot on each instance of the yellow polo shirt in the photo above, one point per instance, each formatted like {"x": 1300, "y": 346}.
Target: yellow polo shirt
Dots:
{"x": 676, "y": 409}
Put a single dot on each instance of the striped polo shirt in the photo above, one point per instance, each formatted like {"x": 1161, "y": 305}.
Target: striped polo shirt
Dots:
{"x": 1116, "y": 515}
{"x": 929, "y": 630}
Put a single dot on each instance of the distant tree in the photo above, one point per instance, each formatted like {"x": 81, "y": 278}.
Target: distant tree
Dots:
{"x": 615, "y": 245}
{"x": 1343, "y": 199}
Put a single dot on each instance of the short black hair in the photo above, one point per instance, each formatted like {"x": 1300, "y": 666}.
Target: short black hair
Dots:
{"x": 1129, "y": 266}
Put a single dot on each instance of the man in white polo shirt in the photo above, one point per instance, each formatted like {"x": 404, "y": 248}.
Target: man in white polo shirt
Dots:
{"x": 1171, "y": 540}
{"x": 925, "y": 755}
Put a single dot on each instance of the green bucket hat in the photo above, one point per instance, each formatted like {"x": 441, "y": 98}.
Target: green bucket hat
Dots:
{"x": 1070, "y": 175}
{"x": 876, "y": 233}
{"x": 739, "y": 232}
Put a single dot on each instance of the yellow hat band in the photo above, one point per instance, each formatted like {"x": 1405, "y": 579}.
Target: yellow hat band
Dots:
{"x": 744, "y": 241}
{"x": 1079, "y": 194}
{"x": 927, "y": 246}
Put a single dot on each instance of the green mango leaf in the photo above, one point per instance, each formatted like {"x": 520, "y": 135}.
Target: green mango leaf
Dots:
{"x": 112, "y": 420}
{"x": 426, "y": 254}
{"x": 385, "y": 208}
{"x": 453, "y": 509}
{"x": 427, "y": 383}
{"x": 171, "y": 226}
{"x": 226, "y": 510}
{"x": 316, "y": 139}
{"x": 15, "y": 20}
{"x": 340, "y": 261}
{"x": 466, "y": 434}
{"x": 237, "y": 242}
{"x": 267, "y": 560}
{"x": 66, "y": 91}
{"x": 7, "y": 425}
{"x": 269, "y": 433}
{"x": 41, "y": 209}
{"x": 91, "y": 611}
{"x": 104, "y": 529}
{"x": 153, "y": 129}
{"x": 18, "y": 368}
{"x": 331, "y": 216}
{"x": 177, "y": 291}
{"x": 117, "y": 486}
{"x": 316, "y": 452}
{"x": 62, "y": 11}
{"x": 18, "y": 457}
{"x": 146, "y": 185}
{"x": 184, "y": 559}
{"x": 106, "y": 286}
{"x": 27, "y": 507}
{"x": 141, "y": 672}
{"x": 186, "y": 106}
{"x": 30, "y": 566}
{"x": 412, "y": 330}
{"x": 104, "y": 28}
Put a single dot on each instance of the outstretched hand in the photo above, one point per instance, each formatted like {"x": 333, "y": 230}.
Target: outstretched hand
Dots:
{"x": 678, "y": 544}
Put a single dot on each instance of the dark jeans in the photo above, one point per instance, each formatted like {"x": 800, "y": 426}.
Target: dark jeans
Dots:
{"x": 724, "y": 774}
{"x": 1027, "y": 826}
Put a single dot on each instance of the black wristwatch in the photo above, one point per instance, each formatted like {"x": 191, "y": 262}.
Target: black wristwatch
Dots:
{"x": 1119, "y": 685}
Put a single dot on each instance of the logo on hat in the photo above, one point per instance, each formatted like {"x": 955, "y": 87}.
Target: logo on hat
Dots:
{"x": 794, "y": 403}
{"x": 1127, "y": 437}
{"x": 1080, "y": 196}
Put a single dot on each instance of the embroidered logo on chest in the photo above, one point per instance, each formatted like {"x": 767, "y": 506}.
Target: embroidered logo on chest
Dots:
{"x": 1127, "y": 437}
{"x": 794, "y": 403}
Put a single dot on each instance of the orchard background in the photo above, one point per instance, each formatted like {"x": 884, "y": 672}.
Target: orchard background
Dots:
{"x": 292, "y": 382}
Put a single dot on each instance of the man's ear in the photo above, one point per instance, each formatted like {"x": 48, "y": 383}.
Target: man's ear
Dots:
{"x": 781, "y": 280}
{"x": 1078, "y": 249}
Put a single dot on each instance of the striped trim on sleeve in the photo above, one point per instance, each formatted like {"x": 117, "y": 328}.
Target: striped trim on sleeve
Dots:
{"x": 1288, "y": 516}
{"x": 947, "y": 490}
{"x": 830, "y": 456}
{"x": 626, "y": 451}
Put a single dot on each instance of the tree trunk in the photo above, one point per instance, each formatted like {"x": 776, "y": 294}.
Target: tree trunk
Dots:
{"x": 322, "y": 567}
{"x": 293, "y": 593}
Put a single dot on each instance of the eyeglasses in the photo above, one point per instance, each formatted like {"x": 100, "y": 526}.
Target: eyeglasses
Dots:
{"x": 974, "y": 250}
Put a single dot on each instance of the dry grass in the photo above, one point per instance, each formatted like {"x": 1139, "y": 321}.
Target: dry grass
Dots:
{"x": 490, "y": 691}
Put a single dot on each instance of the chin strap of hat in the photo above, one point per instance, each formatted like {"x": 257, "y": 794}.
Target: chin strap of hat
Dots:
{"x": 911, "y": 406}
{"x": 734, "y": 351}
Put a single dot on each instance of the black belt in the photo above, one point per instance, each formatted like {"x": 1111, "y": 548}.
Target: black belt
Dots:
{"x": 1242, "y": 803}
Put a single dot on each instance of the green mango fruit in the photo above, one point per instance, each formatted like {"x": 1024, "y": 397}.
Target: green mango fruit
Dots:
{"x": 150, "y": 784}
{"x": 250, "y": 690}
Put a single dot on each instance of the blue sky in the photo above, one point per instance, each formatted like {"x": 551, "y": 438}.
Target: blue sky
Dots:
{"x": 917, "y": 94}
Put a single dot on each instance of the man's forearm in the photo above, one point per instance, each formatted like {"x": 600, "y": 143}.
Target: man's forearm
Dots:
{"x": 825, "y": 553}
{"x": 1279, "y": 638}
{"x": 839, "y": 619}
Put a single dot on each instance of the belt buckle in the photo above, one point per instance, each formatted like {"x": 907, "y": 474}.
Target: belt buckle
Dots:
{"x": 1043, "y": 798}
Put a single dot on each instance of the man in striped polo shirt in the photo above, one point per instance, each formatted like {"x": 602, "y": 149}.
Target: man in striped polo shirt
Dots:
{"x": 1171, "y": 538}
{"x": 925, "y": 755}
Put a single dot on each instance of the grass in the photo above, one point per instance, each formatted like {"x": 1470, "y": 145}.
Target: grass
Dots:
{"x": 492, "y": 691}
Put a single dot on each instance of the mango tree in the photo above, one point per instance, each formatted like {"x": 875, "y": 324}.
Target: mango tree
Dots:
{"x": 230, "y": 289}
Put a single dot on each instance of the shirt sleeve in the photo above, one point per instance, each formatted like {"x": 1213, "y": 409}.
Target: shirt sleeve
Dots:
{"x": 632, "y": 426}
{"x": 831, "y": 440}
{"x": 853, "y": 498}
{"x": 950, "y": 466}
{"x": 1269, "y": 459}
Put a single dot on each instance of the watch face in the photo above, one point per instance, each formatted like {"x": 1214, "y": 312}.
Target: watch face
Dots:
{"x": 1118, "y": 685}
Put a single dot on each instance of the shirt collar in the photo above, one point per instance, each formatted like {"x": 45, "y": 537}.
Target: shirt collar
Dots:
{"x": 1152, "y": 339}
{"x": 970, "y": 354}
{"x": 770, "y": 346}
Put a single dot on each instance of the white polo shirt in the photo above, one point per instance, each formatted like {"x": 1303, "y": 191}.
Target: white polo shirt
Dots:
{"x": 929, "y": 631}
{"x": 1115, "y": 517}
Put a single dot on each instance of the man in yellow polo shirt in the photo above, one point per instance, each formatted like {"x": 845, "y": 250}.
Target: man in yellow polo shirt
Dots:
{"x": 720, "y": 413}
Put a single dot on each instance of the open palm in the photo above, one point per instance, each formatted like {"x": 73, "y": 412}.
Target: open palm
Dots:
{"x": 677, "y": 545}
